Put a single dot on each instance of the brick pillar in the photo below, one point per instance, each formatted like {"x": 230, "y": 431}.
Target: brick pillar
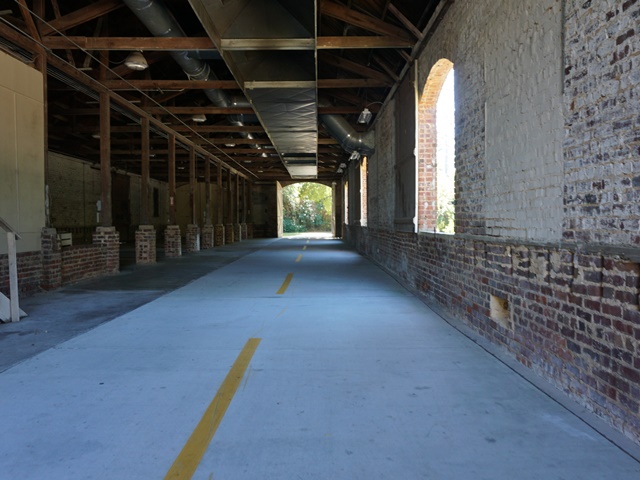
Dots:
{"x": 237, "y": 232}
{"x": 249, "y": 230}
{"x": 51, "y": 260}
{"x": 193, "y": 238}
{"x": 243, "y": 231}
{"x": 207, "y": 237}
{"x": 228, "y": 233}
{"x": 109, "y": 237}
{"x": 172, "y": 241}
{"x": 146, "y": 244}
{"x": 218, "y": 235}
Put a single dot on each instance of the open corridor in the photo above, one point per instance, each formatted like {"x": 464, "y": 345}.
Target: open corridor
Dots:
{"x": 295, "y": 358}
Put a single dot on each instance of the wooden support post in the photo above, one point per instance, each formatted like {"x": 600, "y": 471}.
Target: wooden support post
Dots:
{"x": 172, "y": 179}
{"x": 105, "y": 159}
{"x": 207, "y": 193}
{"x": 237, "y": 206}
{"x": 146, "y": 175}
{"x": 13, "y": 277}
{"x": 192, "y": 184}
{"x": 230, "y": 207}
{"x": 220, "y": 215}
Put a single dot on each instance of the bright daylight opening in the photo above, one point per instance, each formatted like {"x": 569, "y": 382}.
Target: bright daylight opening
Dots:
{"x": 445, "y": 156}
{"x": 307, "y": 208}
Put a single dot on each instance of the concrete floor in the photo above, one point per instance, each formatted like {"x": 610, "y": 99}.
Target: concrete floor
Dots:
{"x": 353, "y": 378}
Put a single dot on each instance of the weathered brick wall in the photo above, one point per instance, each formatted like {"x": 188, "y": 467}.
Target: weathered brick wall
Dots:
{"x": 602, "y": 145}
{"x": 29, "y": 272}
{"x": 81, "y": 262}
{"x": 572, "y": 316}
{"x": 567, "y": 310}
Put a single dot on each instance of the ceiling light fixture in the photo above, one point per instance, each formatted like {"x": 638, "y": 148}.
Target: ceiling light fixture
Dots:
{"x": 355, "y": 155}
{"x": 199, "y": 118}
{"x": 365, "y": 116}
{"x": 136, "y": 61}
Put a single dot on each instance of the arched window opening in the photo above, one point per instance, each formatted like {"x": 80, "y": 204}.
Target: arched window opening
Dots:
{"x": 436, "y": 151}
{"x": 445, "y": 156}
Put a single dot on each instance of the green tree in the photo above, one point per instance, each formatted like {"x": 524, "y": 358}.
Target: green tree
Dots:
{"x": 307, "y": 207}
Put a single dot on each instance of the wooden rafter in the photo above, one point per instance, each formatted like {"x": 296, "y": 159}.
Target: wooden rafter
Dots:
{"x": 80, "y": 16}
{"x": 353, "y": 67}
{"x": 361, "y": 20}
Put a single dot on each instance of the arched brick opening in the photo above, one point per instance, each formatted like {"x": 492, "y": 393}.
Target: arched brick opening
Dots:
{"x": 428, "y": 146}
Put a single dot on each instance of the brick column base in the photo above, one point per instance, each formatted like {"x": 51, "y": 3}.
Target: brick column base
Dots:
{"x": 218, "y": 235}
{"x": 249, "y": 230}
{"x": 193, "y": 238}
{"x": 228, "y": 234}
{"x": 146, "y": 244}
{"x": 237, "y": 232}
{"x": 109, "y": 237}
{"x": 207, "y": 237}
{"x": 243, "y": 231}
{"x": 51, "y": 260}
{"x": 172, "y": 241}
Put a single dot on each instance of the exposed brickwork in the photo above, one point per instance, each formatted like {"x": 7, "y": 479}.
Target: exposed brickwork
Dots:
{"x": 237, "y": 232}
{"x": 29, "y": 272}
{"x": 219, "y": 235}
{"x": 51, "y": 260}
{"x": 172, "y": 241}
{"x": 243, "y": 231}
{"x": 193, "y": 238}
{"x": 109, "y": 238}
{"x": 146, "y": 244}
{"x": 207, "y": 237}
{"x": 81, "y": 262}
{"x": 573, "y": 316}
{"x": 602, "y": 145}
{"x": 229, "y": 236}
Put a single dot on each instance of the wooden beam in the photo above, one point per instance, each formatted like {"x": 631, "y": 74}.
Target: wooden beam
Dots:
{"x": 341, "y": 43}
{"x": 128, "y": 43}
{"x": 172, "y": 178}
{"x": 196, "y": 110}
{"x": 353, "y": 67}
{"x": 31, "y": 25}
{"x": 82, "y": 15}
{"x": 145, "y": 207}
{"x": 352, "y": 83}
{"x": 171, "y": 84}
{"x": 361, "y": 20}
{"x": 105, "y": 159}
{"x": 405, "y": 21}
{"x": 220, "y": 210}
{"x": 192, "y": 184}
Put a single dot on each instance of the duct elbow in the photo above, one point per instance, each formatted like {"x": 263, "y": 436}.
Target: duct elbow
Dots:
{"x": 350, "y": 140}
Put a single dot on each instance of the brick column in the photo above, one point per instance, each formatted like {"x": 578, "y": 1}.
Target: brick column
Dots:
{"x": 228, "y": 233}
{"x": 146, "y": 244}
{"x": 243, "y": 231}
{"x": 237, "y": 232}
{"x": 218, "y": 235}
{"x": 207, "y": 237}
{"x": 193, "y": 238}
{"x": 172, "y": 241}
{"x": 249, "y": 230}
{"x": 51, "y": 260}
{"x": 109, "y": 237}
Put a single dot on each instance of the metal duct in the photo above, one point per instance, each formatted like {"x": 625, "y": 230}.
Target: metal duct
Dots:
{"x": 350, "y": 140}
{"x": 161, "y": 23}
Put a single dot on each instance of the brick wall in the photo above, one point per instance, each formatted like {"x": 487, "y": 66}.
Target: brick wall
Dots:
{"x": 81, "y": 262}
{"x": 545, "y": 259}
{"x": 602, "y": 145}
{"x": 572, "y": 316}
{"x": 29, "y": 272}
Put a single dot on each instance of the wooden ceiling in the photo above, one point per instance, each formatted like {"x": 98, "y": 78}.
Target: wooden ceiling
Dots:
{"x": 364, "y": 48}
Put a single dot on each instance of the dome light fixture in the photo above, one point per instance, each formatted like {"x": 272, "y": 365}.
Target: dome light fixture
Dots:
{"x": 136, "y": 61}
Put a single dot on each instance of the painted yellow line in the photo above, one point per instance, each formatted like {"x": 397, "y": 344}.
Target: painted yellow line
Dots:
{"x": 304, "y": 248}
{"x": 187, "y": 461}
{"x": 285, "y": 284}
{"x": 299, "y": 258}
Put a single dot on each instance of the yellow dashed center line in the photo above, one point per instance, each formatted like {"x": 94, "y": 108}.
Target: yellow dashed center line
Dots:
{"x": 285, "y": 284}
{"x": 187, "y": 461}
{"x": 299, "y": 258}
